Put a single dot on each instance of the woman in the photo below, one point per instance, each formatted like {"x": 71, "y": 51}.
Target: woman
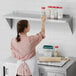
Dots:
{"x": 23, "y": 48}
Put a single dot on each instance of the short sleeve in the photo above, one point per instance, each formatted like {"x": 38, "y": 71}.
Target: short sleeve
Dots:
{"x": 35, "y": 39}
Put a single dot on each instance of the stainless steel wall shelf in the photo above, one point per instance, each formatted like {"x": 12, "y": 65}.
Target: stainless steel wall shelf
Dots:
{"x": 36, "y": 17}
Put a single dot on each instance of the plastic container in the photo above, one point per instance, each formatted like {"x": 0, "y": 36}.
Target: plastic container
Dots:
{"x": 52, "y": 11}
{"x": 43, "y": 11}
{"x": 48, "y": 12}
{"x": 56, "y": 51}
{"x": 55, "y": 12}
{"x": 60, "y": 12}
{"x": 48, "y": 50}
{"x": 48, "y": 53}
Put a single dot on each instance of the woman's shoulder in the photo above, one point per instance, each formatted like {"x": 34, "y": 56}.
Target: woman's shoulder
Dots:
{"x": 33, "y": 36}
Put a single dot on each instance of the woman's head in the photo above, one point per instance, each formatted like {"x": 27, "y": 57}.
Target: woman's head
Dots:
{"x": 22, "y": 27}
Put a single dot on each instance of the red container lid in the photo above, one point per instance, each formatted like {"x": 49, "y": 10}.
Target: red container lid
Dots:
{"x": 42, "y": 7}
{"x": 56, "y": 46}
{"x": 59, "y": 7}
{"x": 50, "y": 6}
{"x": 54, "y": 6}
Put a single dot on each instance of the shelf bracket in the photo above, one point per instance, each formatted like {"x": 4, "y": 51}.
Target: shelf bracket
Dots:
{"x": 10, "y": 22}
{"x": 70, "y": 22}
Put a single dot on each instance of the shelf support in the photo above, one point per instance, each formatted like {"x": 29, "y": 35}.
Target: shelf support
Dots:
{"x": 70, "y": 22}
{"x": 10, "y": 22}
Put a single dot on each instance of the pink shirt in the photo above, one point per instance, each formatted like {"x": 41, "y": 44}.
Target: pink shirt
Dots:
{"x": 25, "y": 49}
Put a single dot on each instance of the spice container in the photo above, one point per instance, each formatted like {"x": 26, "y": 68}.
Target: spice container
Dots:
{"x": 43, "y": 11}
{"x": 60, "y": 12}
{"x": 52, "y": 11}
{"x": 55, "y": 12}
{"x": 48, "y": 12}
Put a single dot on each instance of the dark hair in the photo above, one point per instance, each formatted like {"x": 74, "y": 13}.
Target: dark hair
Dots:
{"x": 21, "y": 25}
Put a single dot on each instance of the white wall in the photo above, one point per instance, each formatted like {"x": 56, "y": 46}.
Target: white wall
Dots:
{"x": 57, "y": 36}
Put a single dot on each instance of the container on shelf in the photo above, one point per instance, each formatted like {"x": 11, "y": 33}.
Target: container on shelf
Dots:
{"x": 55, "y": 12}
{"x": 43, "y": 11}
{"x": 48, "y": 12}
{"x": 60, "y": 12}
{"x": 52, "y": 12}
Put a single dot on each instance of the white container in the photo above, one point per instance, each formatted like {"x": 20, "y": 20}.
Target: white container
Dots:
{"x": 52, "y": 12}
{"x": 60, "y": 12}
{"x": 48, "y": 52}
{"x": 43, "y": 11}
{"x": 48, "y": 12}
{"x": 55, "y": 12}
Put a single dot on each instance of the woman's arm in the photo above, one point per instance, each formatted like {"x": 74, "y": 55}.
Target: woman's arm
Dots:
{"x": 34, "y": 40}
{"x": 43, "y": 19}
